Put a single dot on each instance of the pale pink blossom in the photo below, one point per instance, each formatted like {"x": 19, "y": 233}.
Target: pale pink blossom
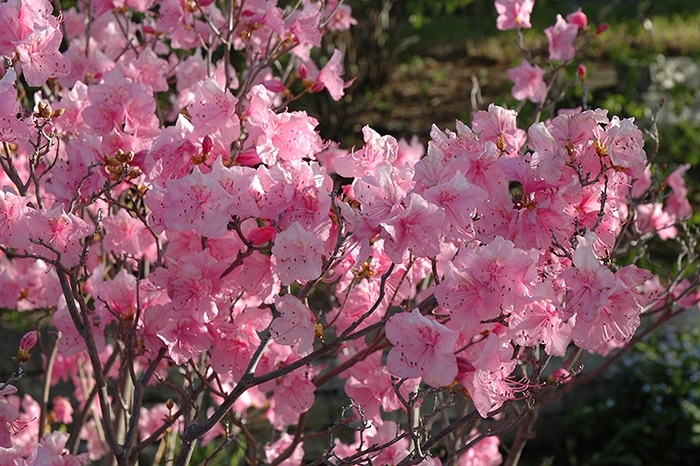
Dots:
{"x": 677, "y": 203}
{"x": 273, "y": 450}
{"x": 295, "y": 392}
{"x": 9, "y": 415}
{"x": 298, "y": 254}
{"x": 499, "y": 125}
{"x": 62, "y": 410}
{"x": 296, "y": 323}
{"x": 196, "y": 202}
{"x": 652, "y": 218}
{"x": 378, "y": 150}
{"x": 483, "y": 453}
{"x": 529, "y": 82}
{"x": 331, "y": 77}
{"x": 623, "y": 142}
{"x": 413, "y": 229}
{"x": 214, "y": 109}
{"x": 369, "y": 385}
{"x": 342, "y": 16}
{"x": 561, "y": 39}
{"x": 422, "y": 348}
{"x": 484, "y": 281}
{"x": 513, "y": 14}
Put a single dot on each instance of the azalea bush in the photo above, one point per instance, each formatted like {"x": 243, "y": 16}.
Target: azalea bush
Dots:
{"x": 169, "y": 226}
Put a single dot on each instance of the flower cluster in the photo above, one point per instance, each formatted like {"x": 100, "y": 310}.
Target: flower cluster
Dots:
{"x": 177, "y": 222}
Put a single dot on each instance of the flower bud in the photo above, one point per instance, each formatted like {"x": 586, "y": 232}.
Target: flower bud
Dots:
{"x": 581, "y": 70}
{"x": 602, "y": 28}
{"x": 28, "y": 340}
{"x": 578, "y": 18}
{"x": 560, "y": 376}
{"x": 44, "y": 109}
{"x": 303, "y": 72}
{"x": 274, "y": 85}
{"x": 207, "y": 145}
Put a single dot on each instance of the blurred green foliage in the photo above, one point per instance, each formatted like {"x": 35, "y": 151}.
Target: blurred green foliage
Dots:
{"x": 646, "y": 410}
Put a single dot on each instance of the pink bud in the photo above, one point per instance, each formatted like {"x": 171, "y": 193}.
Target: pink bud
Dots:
{"x": 317, "y": 87}
{"x": 28, "y": 340}
{"x": 274, "y": 85}
{"x": 560, "y": 375}
{"x": 303, "y": 72}
{"x": 464, "y": 366}
{"x": 578, "y": 18}
{"x": 262, "y": 235}
{"x": 139, "y": 158}
{"x": 207, "y": 145}
{"x": 602, "y": 28}
{"x": 581, "y": 70}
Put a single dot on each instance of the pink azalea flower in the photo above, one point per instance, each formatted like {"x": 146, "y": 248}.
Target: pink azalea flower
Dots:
{"x": 12, "y": 129}
{"x": 513, "y": 14}
{"x": 370, "y": 386}
{"x": 541, "y": 323}
{"x": 499, "y": 125}
{"x": 342, "y": 16}
{"x": 51, "y": 451}
{"x": 295, "y": 392}
{"x": 152, "y": 419}
{"x": 289, "y": 136}
{"x": 239, "y": 182}
{"x": 677, "y": 203}
{"x": 606, "y": 305}
{"x": 298, "y": 253}
{"x": 379, "y": 196}
{"x": 561, "y": 39}
{"x": 148, "y": 69}
{"x": 623, "y": 142}
{"x": 38, "y": 53}
{"x": 305, "y": 29}
{"x": 331, "y": 76}
{"x": 296, "y": 323}
{"x": 14, "y": 212}
{"x": 651, "y": 218}
{"x": 62, "y": 231}
{"x": 272, "y": 451}
{"x": 9, "y": 416}
{"x": 126, "y": 235}
{"x": 378, "y": 150}
{"x": 484, "y": 370}
{"x": 184, "y": 337}
{"x": 422, "y": 348}
{"x": 413, "y": 229}
{"x": 122, "y": 105}
{"x": 214, "y": 108}
{"x": 484, "y": 281}
{"x": 196, "y": 202}
{"x": 62, "y": 410}
{"x": 233, "y": 348}
{"x": 484, "y": 452}
{"x": 529, "y": 82}
{"x": 192, "y": 283}
{"x": 458, "y": 199}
